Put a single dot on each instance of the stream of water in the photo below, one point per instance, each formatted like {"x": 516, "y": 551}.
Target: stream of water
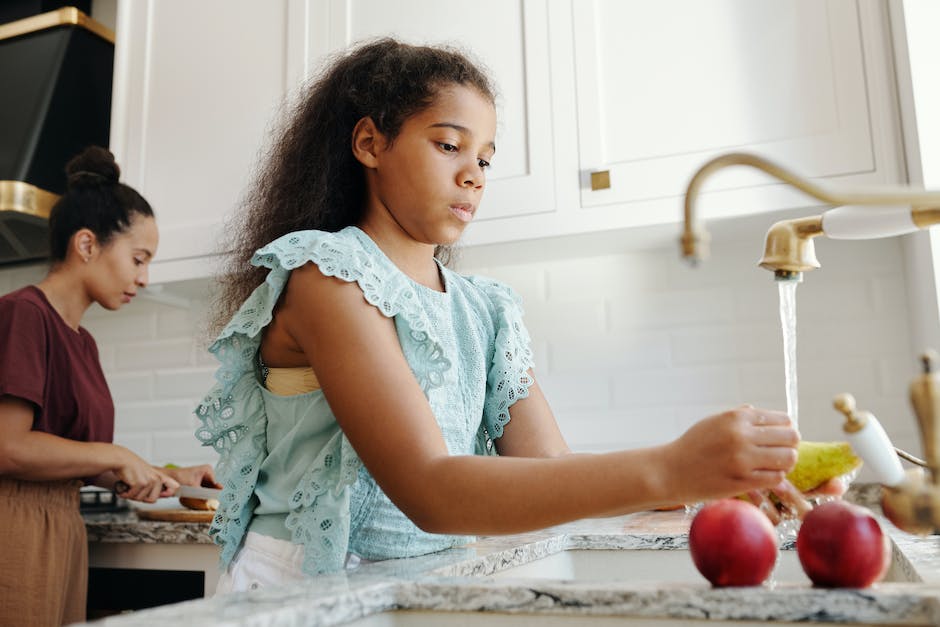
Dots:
{"x": 788, "y": 324}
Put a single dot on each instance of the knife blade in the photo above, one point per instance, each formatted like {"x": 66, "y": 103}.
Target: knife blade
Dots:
{"x": 194, "y": 492}
{"x": 188, "y": 491}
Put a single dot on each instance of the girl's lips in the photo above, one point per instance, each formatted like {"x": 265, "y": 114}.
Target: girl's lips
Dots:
{"x": 464, "y": 213}
{"x": 126, "y": 298}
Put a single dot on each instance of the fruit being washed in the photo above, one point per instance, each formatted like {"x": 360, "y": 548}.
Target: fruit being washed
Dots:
{"x": 818, "y": 462}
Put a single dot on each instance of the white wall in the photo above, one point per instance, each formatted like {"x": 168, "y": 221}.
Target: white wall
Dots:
{"x": 630, "y": 347}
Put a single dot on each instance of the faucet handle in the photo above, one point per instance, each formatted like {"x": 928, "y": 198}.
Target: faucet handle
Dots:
{"x": 854, "y": 421}
{"x": 869, "y": 441}
{"x": 925, "y": 399}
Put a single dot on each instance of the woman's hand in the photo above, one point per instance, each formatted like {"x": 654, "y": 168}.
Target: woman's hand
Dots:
{"x": 202, "y": 475}
{"x": 143, "y": 481}
{"x": 733, "y": 453}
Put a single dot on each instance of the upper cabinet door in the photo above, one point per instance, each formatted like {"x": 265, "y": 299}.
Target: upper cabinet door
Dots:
{"x": 196, "y": 86}
{"x": 664, "y": 86}
{"x": 509, "y": 37}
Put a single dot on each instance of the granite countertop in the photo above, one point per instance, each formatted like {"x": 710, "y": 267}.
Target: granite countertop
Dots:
{"x": 459, "y": 580}
{"x": 125, "y": 526}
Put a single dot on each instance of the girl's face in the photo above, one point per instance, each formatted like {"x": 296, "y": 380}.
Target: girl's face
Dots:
{"x": 430, "y": 178}
{"x": 117, "y": 270}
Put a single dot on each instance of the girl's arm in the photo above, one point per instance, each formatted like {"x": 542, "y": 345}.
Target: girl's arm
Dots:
{"x": 532, "y": 430}
{"x": 38, "y": 456}
{"x": 355, "y": 352}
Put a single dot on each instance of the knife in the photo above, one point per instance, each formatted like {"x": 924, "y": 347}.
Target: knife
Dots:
{"x": 193, "y": 492}
{"x": 188, "y": 491}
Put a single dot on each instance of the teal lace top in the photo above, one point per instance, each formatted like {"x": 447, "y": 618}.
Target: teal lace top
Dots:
{"x": 286, "y": 467}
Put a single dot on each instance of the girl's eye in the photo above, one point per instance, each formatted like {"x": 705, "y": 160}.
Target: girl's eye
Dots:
{"x": 447, "y": 147}
{"x": 138, "y": 262}
{"x": 484, "y": 163}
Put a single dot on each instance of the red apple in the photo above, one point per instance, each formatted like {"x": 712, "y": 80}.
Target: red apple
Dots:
{"x": 841, "y": 545}
{"x": 733, "y": 543}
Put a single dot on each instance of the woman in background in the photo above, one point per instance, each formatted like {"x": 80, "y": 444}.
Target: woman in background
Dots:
{"x": 56, "y": 412}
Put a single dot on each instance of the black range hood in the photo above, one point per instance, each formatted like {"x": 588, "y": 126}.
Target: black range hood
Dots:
{"x": 55, "y": 72}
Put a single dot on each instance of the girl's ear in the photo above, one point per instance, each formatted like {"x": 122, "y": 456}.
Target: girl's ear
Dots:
{"x": 85, "y": 244}
{"x": 367, "y": 141}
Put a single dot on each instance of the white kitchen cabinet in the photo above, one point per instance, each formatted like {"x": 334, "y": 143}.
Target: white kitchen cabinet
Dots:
{"x": 646, "y": 91}
{"x": 196, "y": 87}
{"x": 649, "y": 91}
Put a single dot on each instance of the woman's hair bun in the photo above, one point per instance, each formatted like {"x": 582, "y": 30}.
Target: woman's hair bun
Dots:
{"x": 93, "y": 167}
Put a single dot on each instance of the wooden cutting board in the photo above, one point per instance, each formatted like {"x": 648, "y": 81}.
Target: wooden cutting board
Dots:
{"x": 176, "y": 515}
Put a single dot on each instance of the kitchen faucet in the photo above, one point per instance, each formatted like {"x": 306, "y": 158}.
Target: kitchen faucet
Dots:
{"x": 910, "y": 499}
{"x": 788, "y": 245}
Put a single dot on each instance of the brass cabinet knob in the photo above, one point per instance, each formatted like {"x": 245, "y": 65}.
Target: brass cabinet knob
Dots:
{"x": 600, "y": 180}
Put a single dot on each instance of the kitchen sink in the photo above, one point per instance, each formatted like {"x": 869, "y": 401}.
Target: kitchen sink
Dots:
{"x": 647, "y": 565}
{"x": 494, "y": 619}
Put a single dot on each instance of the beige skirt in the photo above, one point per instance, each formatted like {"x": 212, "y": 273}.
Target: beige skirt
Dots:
{"x": 44, "y": 578}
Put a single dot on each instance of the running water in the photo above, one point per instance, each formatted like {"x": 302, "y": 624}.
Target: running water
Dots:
{"x": 788, "y": 324}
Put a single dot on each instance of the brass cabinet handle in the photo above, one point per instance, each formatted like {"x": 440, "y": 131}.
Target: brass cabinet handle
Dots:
{"x": 600, "y": 180}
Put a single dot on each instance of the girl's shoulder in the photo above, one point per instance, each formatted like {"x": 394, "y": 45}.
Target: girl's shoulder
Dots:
{"x": 294, "y": 249}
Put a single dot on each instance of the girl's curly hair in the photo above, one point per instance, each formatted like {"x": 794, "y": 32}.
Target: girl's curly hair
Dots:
{"x": 310, "y": 178}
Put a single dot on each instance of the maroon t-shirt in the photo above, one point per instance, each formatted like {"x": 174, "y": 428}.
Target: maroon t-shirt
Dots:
{"x": 56, "y": 368}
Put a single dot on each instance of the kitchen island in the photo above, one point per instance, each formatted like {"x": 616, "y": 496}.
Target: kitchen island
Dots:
{"x": 136, "y": 564}
{"x": 476, "y": 583}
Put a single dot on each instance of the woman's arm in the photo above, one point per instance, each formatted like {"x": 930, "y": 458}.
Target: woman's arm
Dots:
{"x": 38, "y": 456}
{"x": 355, "y": 352}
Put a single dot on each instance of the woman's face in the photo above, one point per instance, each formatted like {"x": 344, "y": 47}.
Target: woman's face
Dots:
{"x": 119, "y": 268}
{"x": 430, "y": 179}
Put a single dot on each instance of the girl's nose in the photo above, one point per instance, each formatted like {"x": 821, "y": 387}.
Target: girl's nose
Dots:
{"x": 472, "y": 177}
{"x": 144, "y": 277}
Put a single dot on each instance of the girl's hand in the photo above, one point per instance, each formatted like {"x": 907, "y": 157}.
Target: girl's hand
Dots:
{"x": 789, "y": 502}
{"x": 202, "y": 475}
{"x": 733, "y": 453}
{"x": 143, "y": 481}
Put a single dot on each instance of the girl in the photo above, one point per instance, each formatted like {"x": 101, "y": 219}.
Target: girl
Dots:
{"x": 371, "y": 402}
{"x": 56, "y": 413}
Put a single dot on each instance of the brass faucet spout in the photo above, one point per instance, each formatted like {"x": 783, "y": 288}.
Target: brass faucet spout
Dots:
{"x": 788, "y": 246}
{"x": 924, "y": 206}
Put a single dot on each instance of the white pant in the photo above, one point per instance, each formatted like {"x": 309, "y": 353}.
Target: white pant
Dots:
{"x": 264, "y": 561}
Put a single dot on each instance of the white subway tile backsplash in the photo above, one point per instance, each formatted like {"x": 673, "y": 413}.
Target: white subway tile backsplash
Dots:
{"x": 629, "y": 312}
{"x": 107, "y": 356}
{"x": 852, "y": 338}
{"x": 890, "y": 296}
{"x": 108, "y": 328}
{"x": 127, "y": 387}
{"x": 821, "y": 297}
{"x": 175, "y": 322}
{"x": 582, "y": 349}
{"x": 613, "y": 276}
{"x": 565, "y": 318}
{"x": 184, "y": 383}
{"x": 826, "y": 377}
{"x": 527, "y": 280}
{"x": 576, "y": 390}
{"x": 140, "y": 443}
{"x": 895, "y": 374}
{"x": 155, "y": 354}
{"x": 155, "y": 416}
{"x": 180, "y": 448}
{"x": 712, "y": 385}
{"x": 725, "y": 343}
{"x": 617, "y": 429}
